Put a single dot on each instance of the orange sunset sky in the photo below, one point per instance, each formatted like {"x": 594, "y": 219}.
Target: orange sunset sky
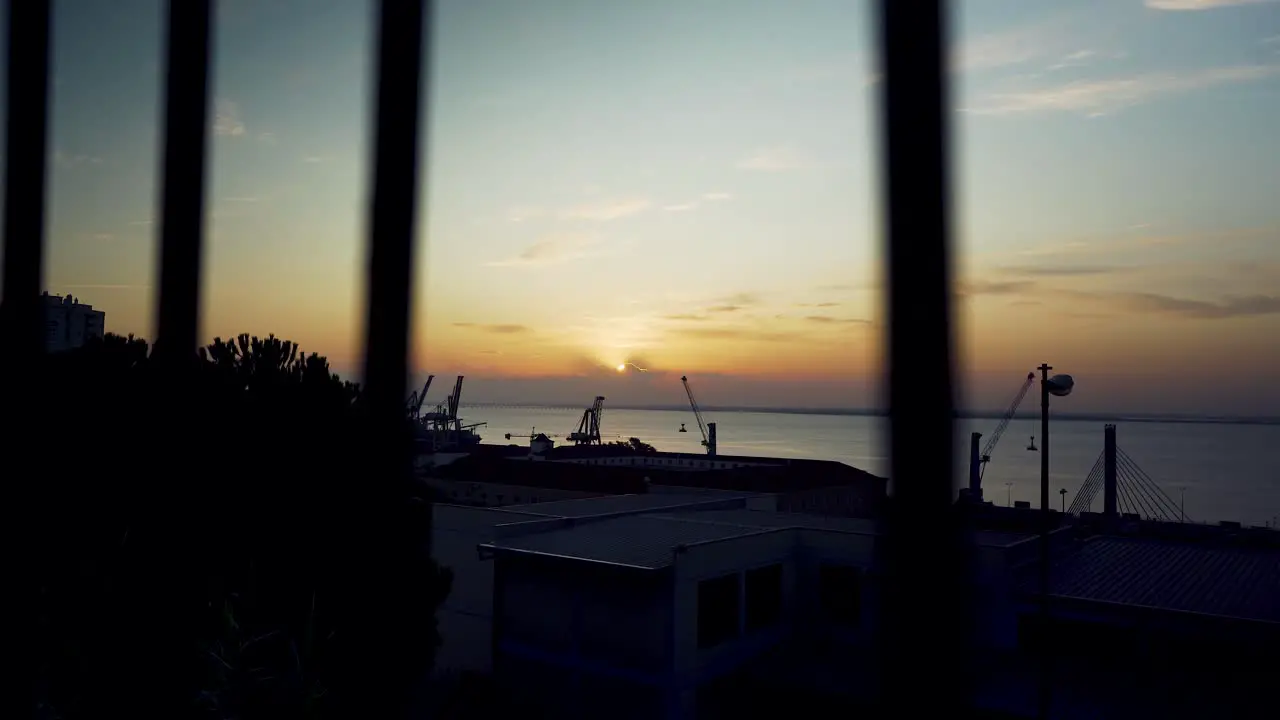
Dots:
{"x": 690, "y": 186}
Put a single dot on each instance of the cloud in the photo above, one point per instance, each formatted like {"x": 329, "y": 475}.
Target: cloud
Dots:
{"x": 1063, "y": 270}
{"x": 819, "y": 305}
{"x": 609, "y": 209}
{"x": 742, "y": 298}
{"x": 775, "y": 159}
{"x": 1200, "y": 4}
{"x": 267, "y": 138}
{"x": 226, "y": 119}
{"x": 710, "y": 197}
{"x": 1012, "y": 46}
{"x": 987, "y": 287}
{"x": 313, "y": 159}
{"x": 1079, "y": 58}
{"x": 724, "y": 308}
{"x": 549, "y": 251}
{"x": 1099, "y": 97}
{"x": 497, "y": 329}
{"x": 725, "y": 333}
{"x": 686, "y": 317}
{"x": 1229, "y": 307}
{"x": 242, "y": 199}
{"x": 828, "y": 320}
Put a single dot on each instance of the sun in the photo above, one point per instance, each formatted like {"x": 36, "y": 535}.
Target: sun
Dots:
{"x": 622, "y": 367}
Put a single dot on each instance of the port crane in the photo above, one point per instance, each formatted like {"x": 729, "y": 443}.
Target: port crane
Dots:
{"x": 708, "y": 429}
{"x": 588, "y": 432}
{"x": 978, "y": 459}
{"x": 414, "y": 405}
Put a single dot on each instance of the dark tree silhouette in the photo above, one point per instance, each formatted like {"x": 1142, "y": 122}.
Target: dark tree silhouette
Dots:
{"x": 634, "y": 444}
{"x": 215, "y": 542}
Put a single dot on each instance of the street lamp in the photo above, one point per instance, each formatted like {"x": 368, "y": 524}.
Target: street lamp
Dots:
{"x": 1061, "y": 386}
{"x": 1008, "y": 494}
{"x": 1063, "y": 493}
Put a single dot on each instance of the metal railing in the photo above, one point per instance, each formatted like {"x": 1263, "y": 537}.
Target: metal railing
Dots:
{"x": 925, "y": 577}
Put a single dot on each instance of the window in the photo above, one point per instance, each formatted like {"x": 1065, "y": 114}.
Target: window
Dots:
{"x": 764, "y": 597}
{"x": 717, "y": 610}
{"x": 839, "y": 587}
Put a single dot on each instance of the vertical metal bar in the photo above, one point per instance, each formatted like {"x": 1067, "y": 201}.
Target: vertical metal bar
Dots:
{"x": 186, "y": 126}
{"x": 393, "y": 209}
{"x": 925, "y": 553}
{"x": 26, "y": 154}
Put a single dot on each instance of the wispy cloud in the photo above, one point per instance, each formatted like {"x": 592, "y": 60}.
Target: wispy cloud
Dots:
{"x": 1201, "y": 4}
{"x": 1048, "y": 38}
{"x": 829, "y": 320}
{"x": 496, "y": 329}
{"x": 226, "y": 119}
{"x": 241, "y": 199}
{"x": 1227, "y": 307}
{"x": 549, "y": 251}
{"x": 733, "y": 333}
{"x": 775, "y": 159}
{"x": 1063, "y": 270}
{"x": 611, "y": 209}
{"x": 711, "y": 197}
{"x": 1099, "y": 97}
{"x": 140, "y": 223}
{"x": 267, "y": 138}
{"x": 993, "y": 287}
{"x": 313, "y": 159}
{"x": 99, "y": 237}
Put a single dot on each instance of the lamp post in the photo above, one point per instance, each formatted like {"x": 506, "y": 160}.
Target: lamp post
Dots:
{"x": 1061, "y": 386}
{"x": 1008, "y": 494}
{"x": 1063, "y": 493}
{"x": 1182, "y": 503}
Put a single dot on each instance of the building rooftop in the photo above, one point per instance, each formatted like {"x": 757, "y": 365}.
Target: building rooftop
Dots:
{"x": 644, "y": 542}
{"x": 1226, "y": 582}
{"x": 619, "y": 504}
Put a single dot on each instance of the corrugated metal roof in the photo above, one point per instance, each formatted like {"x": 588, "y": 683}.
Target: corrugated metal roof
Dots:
{"x": 641, "y": 541}
{"x": 1227, "y": 582}
{"x": 613, "y": 504}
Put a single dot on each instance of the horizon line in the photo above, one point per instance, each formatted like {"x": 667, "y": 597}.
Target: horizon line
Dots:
{"x": 881, "y": 412}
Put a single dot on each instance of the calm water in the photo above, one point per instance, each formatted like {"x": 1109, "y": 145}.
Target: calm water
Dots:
{"x": 1229, "y": 472}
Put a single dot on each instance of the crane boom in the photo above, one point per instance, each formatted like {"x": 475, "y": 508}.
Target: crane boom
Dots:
{"x": 1004, "y": 422}
{"x": 697, "y": 414}
{"x": 708, "y": 430}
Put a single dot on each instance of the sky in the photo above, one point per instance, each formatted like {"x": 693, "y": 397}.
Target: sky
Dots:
{"x": 691, "y": 187}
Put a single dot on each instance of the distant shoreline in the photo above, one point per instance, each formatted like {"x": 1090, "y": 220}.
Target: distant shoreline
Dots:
{"x": 857, "y": 412}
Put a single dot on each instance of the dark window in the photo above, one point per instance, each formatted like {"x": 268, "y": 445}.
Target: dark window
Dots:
{"x": 839, "y": 587}
{"x": 764, "y": 597}
{"x": 717, "y": 610}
